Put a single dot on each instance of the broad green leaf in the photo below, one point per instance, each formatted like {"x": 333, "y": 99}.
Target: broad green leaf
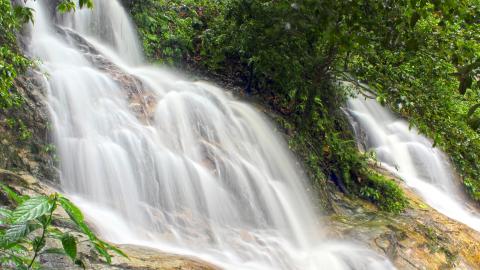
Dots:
{"x": 4, "y": 212}
{"x": 14, "y": 233}
{"x": 23, "y": 14}
{"x": 86, "y": 230}
{"x": 69, "y": 244}
{"x": 76, "y": 216}
{"x": 31, "y": 209}
{"x": 12, "y": 195}
{"x": 4, "y": 215}
{"x": 66, "y": 6}
{"x": 72, "y": 210}
{"x": 87, "y": 3}
{"x": 115, "y": 249}
{"x": 102, "y": 251}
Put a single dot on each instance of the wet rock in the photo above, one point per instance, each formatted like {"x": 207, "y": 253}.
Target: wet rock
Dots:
{"x": 141, "y": 258}
{"x": 24, "y": 131}
{"x": 142, "y": 100}
{"x": 419, "y": 238}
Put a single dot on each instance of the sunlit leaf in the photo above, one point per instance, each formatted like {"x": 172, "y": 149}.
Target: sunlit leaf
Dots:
{"x": 31, "y": 209}
{"x": 69, "y": 244}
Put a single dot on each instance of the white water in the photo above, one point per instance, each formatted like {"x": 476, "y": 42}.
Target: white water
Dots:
{"x": 410, "y": 155}
{"x": 196, "y": 173}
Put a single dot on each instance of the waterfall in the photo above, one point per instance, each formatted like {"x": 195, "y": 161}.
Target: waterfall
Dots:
{"x": 411, "y": 156}
{"x": 156, "y": 160}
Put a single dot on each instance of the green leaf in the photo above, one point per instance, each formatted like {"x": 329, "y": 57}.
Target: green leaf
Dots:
{"x": 87, "y": 3}
{"x": 86, "y": 230}
{"x": 12, "y": 195}
{"x": 102, "y": 251}
{"x": 66, "y": 6}
{"x": 72, "y": 210}
{"x": 115, "y": 249}
{"x": 31, "y": 209}
{"x": 69, "y": 244}
{"x": 23, "y": 14}
{"x": 4, "y": 215}
{"x": 16, "y": 232}
{"x": 76, "y": 216}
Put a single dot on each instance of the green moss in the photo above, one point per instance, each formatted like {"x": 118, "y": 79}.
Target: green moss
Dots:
{"x": 383, "y": 192}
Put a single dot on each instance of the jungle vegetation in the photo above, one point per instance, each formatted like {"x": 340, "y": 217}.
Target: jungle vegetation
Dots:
{"x": 420, "y": 58}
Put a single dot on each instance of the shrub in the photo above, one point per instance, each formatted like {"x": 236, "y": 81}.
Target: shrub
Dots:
{"x": 383, "y": 192}
{"x": 24, "y": 231}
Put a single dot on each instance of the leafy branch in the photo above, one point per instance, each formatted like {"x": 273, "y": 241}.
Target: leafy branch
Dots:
{"x": 24, "y": 231}
{"x": 69, "y": 5}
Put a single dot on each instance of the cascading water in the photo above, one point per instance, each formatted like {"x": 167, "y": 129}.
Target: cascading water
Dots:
{"x": 406, "y": 153}
{"x": 159, "y": 161}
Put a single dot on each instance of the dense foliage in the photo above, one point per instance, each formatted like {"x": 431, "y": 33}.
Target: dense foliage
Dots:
{"x": 171, "y": 30}
{"x": 427, "y": 69}
{"x": 419, "y": 57}
{"x": 25, "y": 230}
{"x": 11, "y": 61}
{"x": 383, "y": 192}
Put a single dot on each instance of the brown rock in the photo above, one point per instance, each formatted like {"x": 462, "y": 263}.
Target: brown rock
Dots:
{"x": 420, "y": 238}
{"x": 151, "y": 259}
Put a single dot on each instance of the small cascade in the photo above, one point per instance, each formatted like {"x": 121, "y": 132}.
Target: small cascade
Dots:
{"x": 411, "y": 156}
{"x": 109, "y": 24}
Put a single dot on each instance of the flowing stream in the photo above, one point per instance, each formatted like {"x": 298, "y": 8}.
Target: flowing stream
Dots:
{"x": 411, "y": 156}
{"x": 156, "y": 160}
